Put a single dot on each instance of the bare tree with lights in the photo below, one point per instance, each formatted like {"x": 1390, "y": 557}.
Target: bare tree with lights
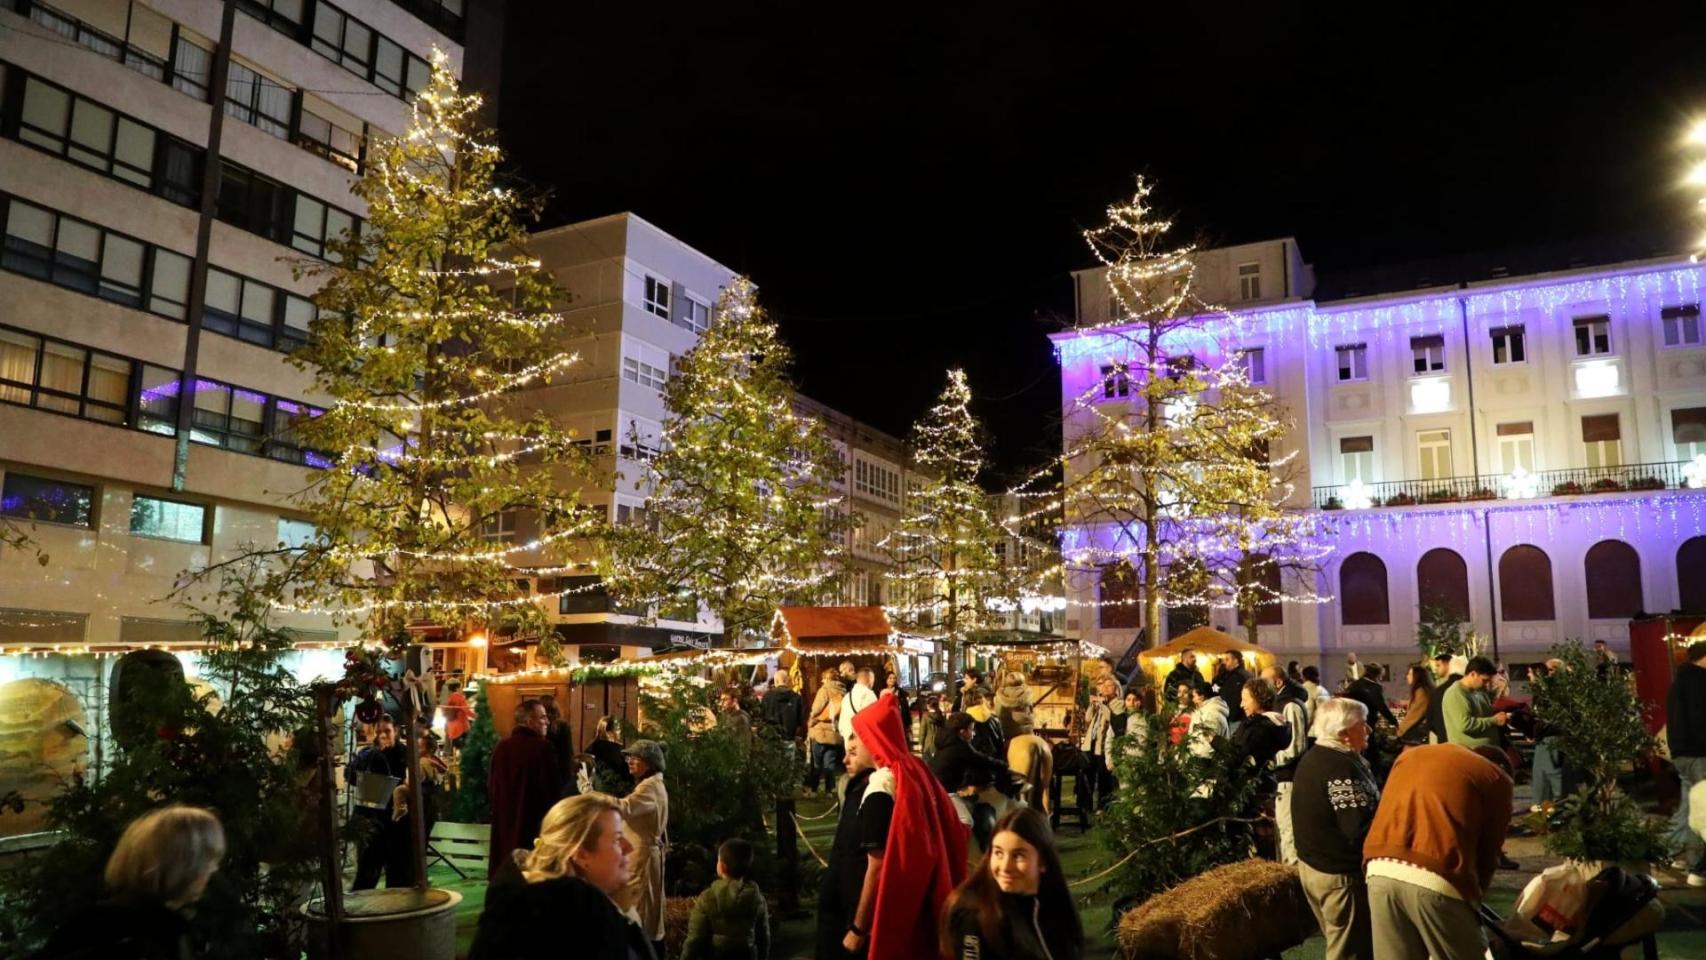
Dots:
{"x": 1167, "y": 483}
{"x": 740, "y": 514}
{"x": 947, "y": 579}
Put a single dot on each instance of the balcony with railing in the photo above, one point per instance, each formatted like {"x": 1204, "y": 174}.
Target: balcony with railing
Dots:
{"x": 1574, "y": 481}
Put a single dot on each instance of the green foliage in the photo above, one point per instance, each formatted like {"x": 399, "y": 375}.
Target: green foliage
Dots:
{"x": 946, "y": 571}
{"x": 1165, "y": 789}
{"x": 429, "y": 323}
{"x": 721, "y": 785}
{"x": 742, "y": 514}
{"x": 472, "y": 804}
{"x": 1439, "y": 632}
{"x": 220, "y": 759}
{"x": 1598, "y": 725}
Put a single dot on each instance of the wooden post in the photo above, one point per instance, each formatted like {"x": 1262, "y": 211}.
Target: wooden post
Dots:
{"x": 331, "y": 861}
{"x": 417, "y": 792}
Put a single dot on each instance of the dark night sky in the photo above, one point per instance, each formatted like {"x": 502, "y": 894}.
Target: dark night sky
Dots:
{"x": 907, "y": 188}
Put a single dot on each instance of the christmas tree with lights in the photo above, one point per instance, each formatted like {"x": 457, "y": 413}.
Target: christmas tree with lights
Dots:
{"x": 436, "y": 485}
{"x": 1172, "y": 493}
{"x": 947, "y": 580}
{"x": 741, "y": 515}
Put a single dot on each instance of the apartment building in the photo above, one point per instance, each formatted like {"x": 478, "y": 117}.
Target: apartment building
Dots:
{"x": 1518, "y": 448}
{"x": 145, "y": 424}
{"x": 641, "y": 298}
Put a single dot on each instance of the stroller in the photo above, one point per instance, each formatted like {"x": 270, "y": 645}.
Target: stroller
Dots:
{"x": 1621, "y": 909}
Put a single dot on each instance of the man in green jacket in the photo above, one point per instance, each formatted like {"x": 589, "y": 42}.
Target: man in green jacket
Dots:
{"x": 729, "y": 920}
{"x": 1468, "y": 708}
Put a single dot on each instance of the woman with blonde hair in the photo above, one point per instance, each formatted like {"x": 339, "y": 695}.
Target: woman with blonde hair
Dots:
{"x": 161, "y": 867}
{"x": 561, "y": 892}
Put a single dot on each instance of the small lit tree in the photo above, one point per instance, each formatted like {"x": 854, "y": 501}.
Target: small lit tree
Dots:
{"x": 947, "y": 580}
{"x": 740, "y": 513}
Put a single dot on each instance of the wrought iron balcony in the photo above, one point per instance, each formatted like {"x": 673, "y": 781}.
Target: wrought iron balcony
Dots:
{"x": 1574, "y": 481}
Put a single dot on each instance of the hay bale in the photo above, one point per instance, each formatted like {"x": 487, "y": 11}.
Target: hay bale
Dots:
{"x": 1242, "y": 911}
{"x": 676, "y": 911}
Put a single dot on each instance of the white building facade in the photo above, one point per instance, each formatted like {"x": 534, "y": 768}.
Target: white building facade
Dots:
{"x": 1518, "y": 451}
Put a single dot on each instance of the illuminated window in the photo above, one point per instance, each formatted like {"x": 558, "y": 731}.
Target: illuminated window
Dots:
{"x": 1434, "y": 450}
{"x": 1516, "y": 446}
{"x": 1688, "y": 432}
{"x": 1356, "y": 458}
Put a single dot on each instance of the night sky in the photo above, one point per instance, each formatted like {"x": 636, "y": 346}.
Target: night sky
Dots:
{"x": 907, "y": 187}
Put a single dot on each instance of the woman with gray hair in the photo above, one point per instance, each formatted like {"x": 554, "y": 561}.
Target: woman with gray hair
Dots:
{"x": 161, "y": 866}
{"x": 1333, "y": 798}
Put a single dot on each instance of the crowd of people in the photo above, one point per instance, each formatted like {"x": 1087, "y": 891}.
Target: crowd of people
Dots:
{"x": 1392, "y": 859}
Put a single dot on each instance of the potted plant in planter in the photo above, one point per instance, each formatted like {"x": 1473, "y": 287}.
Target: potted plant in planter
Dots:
{"x": 1401, "y": 500}
{"x": 1599, "y": 729}
{"x": 1481, "y": 493}
{"x": 1606, "y": 485}
{"x": 1333, "y": 503}
{"x": 1568, "y": 488}
{"x": 1445, "y": 495}
{"x": 1646, "y": 483}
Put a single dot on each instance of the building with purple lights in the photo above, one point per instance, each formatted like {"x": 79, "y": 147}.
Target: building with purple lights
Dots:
{"x": 1524, "y": 451}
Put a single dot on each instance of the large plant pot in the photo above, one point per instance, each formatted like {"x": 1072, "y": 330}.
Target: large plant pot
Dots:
{"x": 405, "y": 924}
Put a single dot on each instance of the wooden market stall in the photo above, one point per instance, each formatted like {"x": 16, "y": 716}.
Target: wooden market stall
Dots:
{"x": 1209, "y": 644}
{"x": 1054, "y": 669}
{"x": 810, "y": 640}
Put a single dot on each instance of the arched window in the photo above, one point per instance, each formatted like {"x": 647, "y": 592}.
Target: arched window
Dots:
{"x": 1261, "y": 576}
{"x": 1614, "y": 581}
{"x": 1525, "y": 584}
{"x": 1442, "y": 580}
{"x": 1691, "y": 576}
{"x": 1362, "y": 591}
{"x": 1120, "y": 608}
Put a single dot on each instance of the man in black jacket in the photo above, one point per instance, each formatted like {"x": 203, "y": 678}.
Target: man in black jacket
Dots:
{"x": 1333, "y": 800}
{"x": 1185, "y": 674}
{"x": 1229, "y": 682}
{"x": 1685, "y": 723}
{"x": 783, "y": 709}
{"x": 965, "y": 771}
{"x": 1444, "y": 677}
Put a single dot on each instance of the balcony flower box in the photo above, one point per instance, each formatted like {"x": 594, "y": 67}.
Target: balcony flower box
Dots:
{"x": 1332, "y": 504}
{"x": 1606, "y": 485}
{"x": 1646, "y": 483}
{"x": 1400, "y": 500}
{"x": 1481, "y": 493}
{"x": 1443, "y": 496}
{"x": 1568, "y": 488}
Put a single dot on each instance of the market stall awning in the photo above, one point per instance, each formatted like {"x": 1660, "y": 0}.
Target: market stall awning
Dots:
{"x": 1204, "y": 640}
{"x": 855, "y": 626}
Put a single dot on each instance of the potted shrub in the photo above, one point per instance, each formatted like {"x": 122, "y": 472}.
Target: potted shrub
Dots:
{"x": 1332, "y": 504}
{"x": 1606, "y": 485}
{"x": 1401, "y": 500}
{"x": 1568, "y": 488}
{"x": 1646, "y": 483}
{"x": 1442, "y": 496}
{"x": 1599, "y": 729}
{"x": 1481, "y": 493}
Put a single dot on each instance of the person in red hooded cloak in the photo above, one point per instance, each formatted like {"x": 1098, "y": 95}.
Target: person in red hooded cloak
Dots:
{"x": 924, "y": 857}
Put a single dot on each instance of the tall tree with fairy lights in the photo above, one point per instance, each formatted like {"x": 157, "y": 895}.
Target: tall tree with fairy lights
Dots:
{"x": 430, "y": 320}
{"x": 947, "y": 575}
{"x": 740, "y": 513}
{"x": 1171, "y": 492}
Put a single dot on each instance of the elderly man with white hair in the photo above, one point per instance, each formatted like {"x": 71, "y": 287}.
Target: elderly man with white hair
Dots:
{"x": 1333, "y": 799}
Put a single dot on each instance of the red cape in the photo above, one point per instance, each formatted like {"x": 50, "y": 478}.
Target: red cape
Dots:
{"x": 925, "y": 857}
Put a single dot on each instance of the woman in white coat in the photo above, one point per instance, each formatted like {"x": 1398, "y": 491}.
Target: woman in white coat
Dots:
{"x": 645, "y": 817}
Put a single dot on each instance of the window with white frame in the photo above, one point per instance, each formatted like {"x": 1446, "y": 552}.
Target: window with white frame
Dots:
{"x": 1682, "y": 325}
{"x": 644, "y": 364}
{"x": 1115, "y": 381}
{"x": 1254, "y": 360}
{"x": 1427, "y": 354}
{"x": 1433, "y": 447}
{"x": 1508, "y": 344}
{"x": 1688, "y": 431}
{"x": 1602, "y": 436}
{"x": 1516, "y": 446}
{"x": 1593, "y": 336}
{"x": 499, "y": 528}
{"x": 695, "y": 314}
{"x": 640, "y": 439}
{"x": 1353, "y": 361}
{"x": 1249, "y": 281}
{"x": 876, "y": 480}
{"x": 657, "y": 296}
{"x": 630, "y": 514}
{"x": 1356, "y": 459}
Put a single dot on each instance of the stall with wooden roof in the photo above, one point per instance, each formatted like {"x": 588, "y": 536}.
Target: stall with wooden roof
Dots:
{"x": 1209, "y": 644}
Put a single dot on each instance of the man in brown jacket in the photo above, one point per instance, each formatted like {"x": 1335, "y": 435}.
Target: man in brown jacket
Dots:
{"x": 1432, "y": 850}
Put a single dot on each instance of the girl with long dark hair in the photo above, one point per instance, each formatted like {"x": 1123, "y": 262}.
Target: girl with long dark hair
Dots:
{"x": 1015, "y": 905}
{"x": 1414, "y": 728}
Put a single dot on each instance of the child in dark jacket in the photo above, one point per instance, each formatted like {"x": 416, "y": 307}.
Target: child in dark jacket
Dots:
{"x": 730, "y": 920}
